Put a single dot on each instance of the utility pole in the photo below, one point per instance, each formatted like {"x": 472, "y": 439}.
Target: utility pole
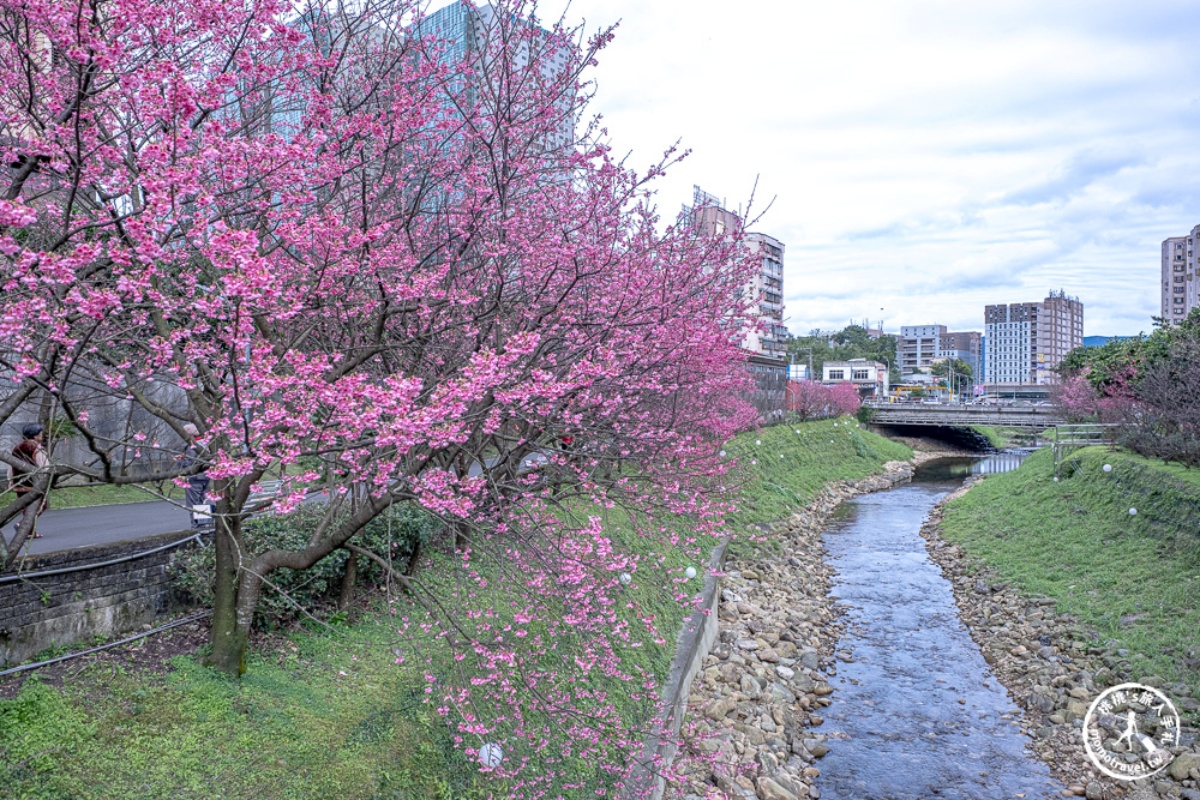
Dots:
{"x": 810, "y": 360}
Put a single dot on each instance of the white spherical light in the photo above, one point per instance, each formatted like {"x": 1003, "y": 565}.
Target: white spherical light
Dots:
{"x": 1107, "y": 468}
{"x": 490, "y": 754}
{"x": 1133, "y": 512}
{"x": 690, "y": 572}
{"x": 626, "y": 578}
{"x": 758, "y": 441}
{"x": 721, "y": 454}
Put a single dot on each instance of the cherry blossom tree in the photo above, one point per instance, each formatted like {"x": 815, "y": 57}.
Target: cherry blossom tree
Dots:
{"x": 357, "y": 260}
{"x": 813, "y": 400}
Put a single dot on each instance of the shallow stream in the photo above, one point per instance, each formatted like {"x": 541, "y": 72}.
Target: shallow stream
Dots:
{"x": 917, "y": 712}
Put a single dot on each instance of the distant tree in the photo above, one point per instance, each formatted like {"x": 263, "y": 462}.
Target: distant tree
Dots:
{"x": 1166, "y": 421}
{"x": 814, "y": 400}
{"x": 851, "y": 342}
{"x": 955, "y": 372}
{"x": 844, "y": 399}
{"x": 1077, "y": 400}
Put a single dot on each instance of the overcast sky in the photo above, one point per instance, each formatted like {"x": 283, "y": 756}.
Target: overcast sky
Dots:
{"x": 925, "y": 157}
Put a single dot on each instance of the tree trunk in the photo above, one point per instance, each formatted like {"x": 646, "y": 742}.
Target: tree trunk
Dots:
{"x": 349, "y": 578}
{"x": 227, "y": 638}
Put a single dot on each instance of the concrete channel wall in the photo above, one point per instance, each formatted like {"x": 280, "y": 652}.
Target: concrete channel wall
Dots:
{"x": 97, "y": 591}
{"x": 696, "y": 638}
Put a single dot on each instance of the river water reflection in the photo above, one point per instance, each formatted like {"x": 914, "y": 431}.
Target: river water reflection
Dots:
{"x": 916, "y": 711}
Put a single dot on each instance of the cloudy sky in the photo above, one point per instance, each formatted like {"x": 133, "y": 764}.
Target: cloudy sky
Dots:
{"x": 924, "y": 158}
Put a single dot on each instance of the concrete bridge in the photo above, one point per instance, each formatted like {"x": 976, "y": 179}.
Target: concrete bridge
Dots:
{"x": 961, "y": 416}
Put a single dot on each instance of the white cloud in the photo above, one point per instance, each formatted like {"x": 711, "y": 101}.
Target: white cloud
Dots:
{"x": 926, "y": 157}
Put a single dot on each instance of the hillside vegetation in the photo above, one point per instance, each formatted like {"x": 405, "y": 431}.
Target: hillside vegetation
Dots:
{"x": 339, "y": 707}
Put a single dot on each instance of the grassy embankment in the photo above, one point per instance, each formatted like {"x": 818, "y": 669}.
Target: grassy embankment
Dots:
{"x": 1134, "y": 578}
{"x": 102, "y": 495}
{"x": 326, "y": 710}
{"x": 107, "y": 494}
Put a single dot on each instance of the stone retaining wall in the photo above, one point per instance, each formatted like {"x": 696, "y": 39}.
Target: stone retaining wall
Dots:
{"x": 696, "y": 637}
{"x": 59, "y": 610}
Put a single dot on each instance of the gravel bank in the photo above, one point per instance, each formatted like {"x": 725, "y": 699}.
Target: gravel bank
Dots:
{"x": 759, "y": 695}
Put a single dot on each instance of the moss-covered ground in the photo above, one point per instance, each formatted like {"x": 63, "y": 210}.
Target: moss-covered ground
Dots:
{"x": 1119, "y": 549}
{"x": 326, "y": 711}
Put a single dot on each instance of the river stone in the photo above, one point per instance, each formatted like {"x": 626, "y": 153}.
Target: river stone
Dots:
{"x": 787, "y": 673}
{"x": 753, "y": 735}
{"x": 782, "y": 693}
{"x": 750, "y": 686}
{"x": 822, "y": 689}
{"x": 818, "y": 749}
{"x": 1094, "y": 791}
{"x": 1076, "y": 709}
{"x": 770, "y": 790}
{"x": 719, "y": 709}
{"x": 1183, "y": 764}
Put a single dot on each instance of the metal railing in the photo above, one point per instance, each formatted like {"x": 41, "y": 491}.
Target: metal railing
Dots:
{"x": 1082, "y": 434}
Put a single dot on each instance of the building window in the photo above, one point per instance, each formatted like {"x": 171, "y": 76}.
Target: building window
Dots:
{"x": 837, "y": 375}
{"x": 862, "y": 375}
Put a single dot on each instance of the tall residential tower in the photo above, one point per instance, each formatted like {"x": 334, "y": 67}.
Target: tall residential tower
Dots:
{"x": 1180, "y": 275}
{"x": 1026, "y": 341}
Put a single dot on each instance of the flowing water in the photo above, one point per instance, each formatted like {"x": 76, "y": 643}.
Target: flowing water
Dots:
{"x": 916, "y": 711}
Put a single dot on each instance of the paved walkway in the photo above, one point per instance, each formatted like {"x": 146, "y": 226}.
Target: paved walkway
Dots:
{"x": 73, "y": 528}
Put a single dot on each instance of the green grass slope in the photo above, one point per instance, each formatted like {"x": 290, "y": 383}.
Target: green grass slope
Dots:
{"x": 1135, "y": 577}
{"x": 784, "y": 467}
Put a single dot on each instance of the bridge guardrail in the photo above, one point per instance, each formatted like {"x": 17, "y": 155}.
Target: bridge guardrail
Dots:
{"x": 961, "y": 415}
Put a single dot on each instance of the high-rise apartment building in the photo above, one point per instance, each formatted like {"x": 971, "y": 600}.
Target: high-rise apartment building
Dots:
{"x": 920, "y": 346}
{"x": 1180, "y": 275}
{"x": 470, "y": 33}
{"x": 967, "y": 347}
{"x": 767, "y": 285}
{"x": 708, "y": 213}
{"x": 1026, "y": 341}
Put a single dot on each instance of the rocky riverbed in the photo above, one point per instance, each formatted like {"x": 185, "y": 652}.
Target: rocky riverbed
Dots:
{"x": 757, "y": 700}
{"x": 1044, "y": 660}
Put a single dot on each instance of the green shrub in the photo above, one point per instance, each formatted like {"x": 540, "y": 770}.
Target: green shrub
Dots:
{"x": 395, "y": 534}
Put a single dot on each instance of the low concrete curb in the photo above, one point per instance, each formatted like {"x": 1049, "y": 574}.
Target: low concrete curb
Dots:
{"x": 695, "y": 639}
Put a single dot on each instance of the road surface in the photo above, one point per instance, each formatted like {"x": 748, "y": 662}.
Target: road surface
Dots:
{"x": 72, "y": 528}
